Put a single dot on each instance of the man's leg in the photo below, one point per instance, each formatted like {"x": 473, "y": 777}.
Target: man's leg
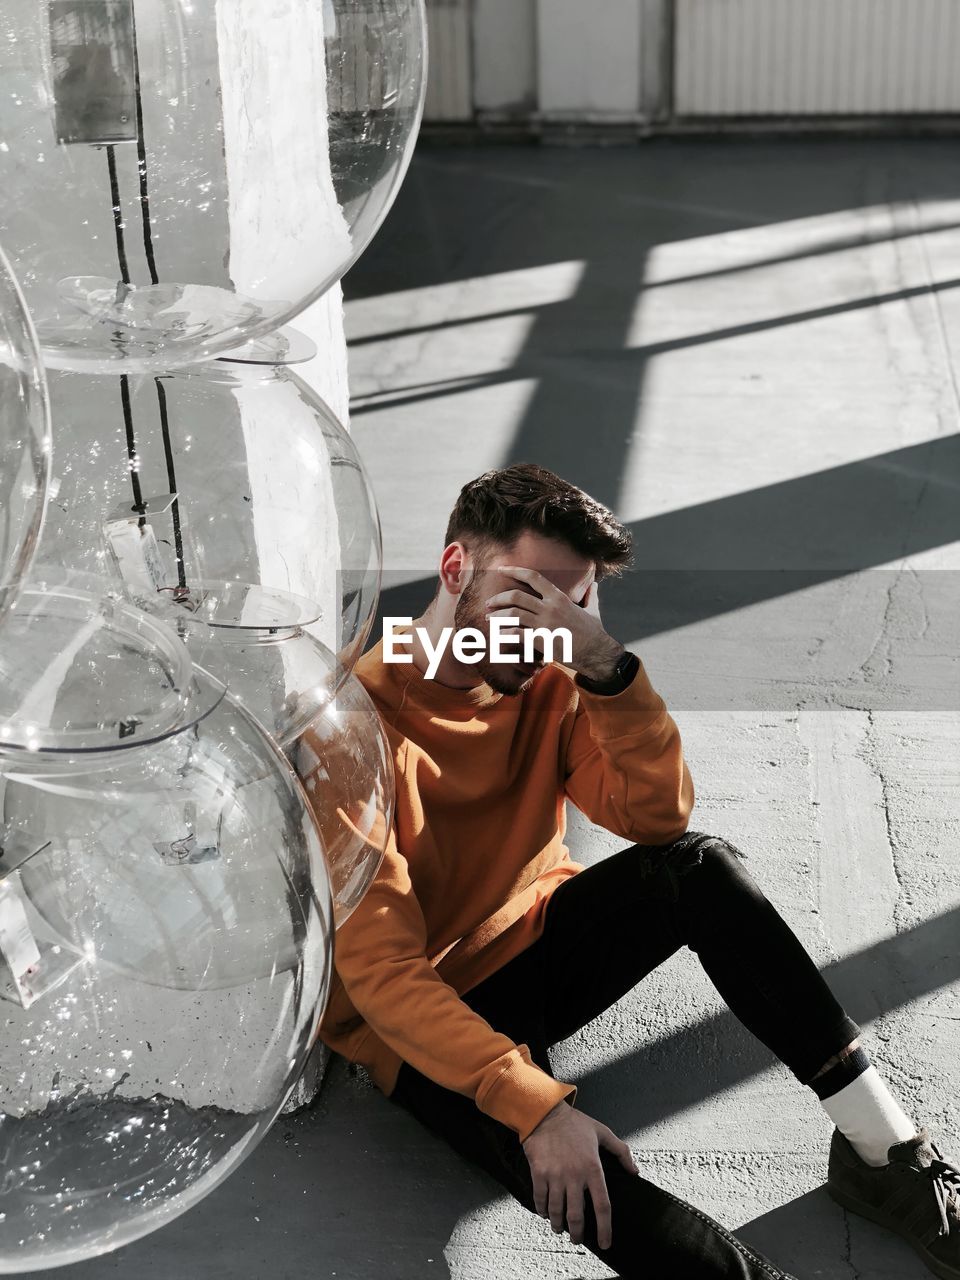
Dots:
{"x": 697, "y": 892}
{"x": 607, "y": 927}
{"x": 655, "y": 1234}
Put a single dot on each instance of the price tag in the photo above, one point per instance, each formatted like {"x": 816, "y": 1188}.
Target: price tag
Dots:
{"x": 17, "y": 943}
{"x": 134, "y": 546}
{"x": 137, "y": 555}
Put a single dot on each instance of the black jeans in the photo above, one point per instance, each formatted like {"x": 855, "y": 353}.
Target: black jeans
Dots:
{"x": 605, "y": 929}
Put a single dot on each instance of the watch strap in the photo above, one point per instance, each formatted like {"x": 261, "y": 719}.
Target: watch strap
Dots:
{"x": 623, "y": 676}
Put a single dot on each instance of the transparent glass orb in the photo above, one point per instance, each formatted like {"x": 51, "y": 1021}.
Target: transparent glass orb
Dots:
{"x": 285, "y": 678}
{"x": 182, "y": 176}
{"x": 24, "y": 438}
{"x": 165, "y": 952}
{"x": 86, "y": 673}
{"x": 257, "y": 510}
{"x": 346, "y": 765}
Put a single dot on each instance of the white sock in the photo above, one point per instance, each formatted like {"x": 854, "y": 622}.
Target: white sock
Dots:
{"x": 869, "y": 1117}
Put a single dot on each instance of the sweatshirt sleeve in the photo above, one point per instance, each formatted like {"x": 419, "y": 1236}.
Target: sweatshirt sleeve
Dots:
{"x": 381, "y": 960}
{"x": 624, "y": 764}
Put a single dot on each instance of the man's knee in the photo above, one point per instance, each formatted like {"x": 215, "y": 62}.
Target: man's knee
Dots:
{"x": 707, "y": 866}
{"x": 694, "y": 850}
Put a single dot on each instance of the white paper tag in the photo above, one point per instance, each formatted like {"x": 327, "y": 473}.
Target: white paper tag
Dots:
{"x": 137, "y": 554}
{"x": 17, "y": 943}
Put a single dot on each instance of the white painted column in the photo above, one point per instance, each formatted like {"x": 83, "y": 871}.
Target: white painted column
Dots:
{"x": 589, "y": 59}
{"x": 284, "y": 217}
{"x": 505, "y": 57}
{"x": 450, "y": 73}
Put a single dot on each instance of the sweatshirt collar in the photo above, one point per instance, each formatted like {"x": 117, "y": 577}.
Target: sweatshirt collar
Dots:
{"x": 441, "y": 696}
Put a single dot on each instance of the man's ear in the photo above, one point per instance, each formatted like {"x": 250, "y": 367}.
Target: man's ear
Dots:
{"x": 454, "y": 573}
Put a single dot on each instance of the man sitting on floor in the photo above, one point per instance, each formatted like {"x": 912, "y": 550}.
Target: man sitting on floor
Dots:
{"x": 480, "y": 943}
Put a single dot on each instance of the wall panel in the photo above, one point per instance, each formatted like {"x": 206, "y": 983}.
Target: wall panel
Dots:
{"x": 816, "y": 57}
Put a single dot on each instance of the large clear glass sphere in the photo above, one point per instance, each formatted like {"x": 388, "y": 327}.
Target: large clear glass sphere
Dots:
{"x": 24, "y": 438}
{"x": 230, "y": 493}
{"x": 82, "y": 673}
{"x": 165, "y": 951}
{"x": 180, "y": 176}
{"x": 346, "y": 765}
{"x": 285, "y": 678}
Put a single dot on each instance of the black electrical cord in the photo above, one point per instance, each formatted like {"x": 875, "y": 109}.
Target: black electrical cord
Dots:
{"x": 132, "y": 457}
{"x": 117, "y": 213}
{"x": 142, "y": 161}
{"x": 133, "y": 460}
{"x": 172, "y": 482}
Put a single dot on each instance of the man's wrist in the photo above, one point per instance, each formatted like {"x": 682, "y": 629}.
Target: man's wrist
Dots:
{"x": 601, "y": 665}
{"x": 553, "y": 1114}
{"x": 626, "y": 673}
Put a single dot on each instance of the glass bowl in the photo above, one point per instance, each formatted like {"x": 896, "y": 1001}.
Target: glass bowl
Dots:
{"x": 346, "y": 765}
{"x": 85, "y": 673}
{"x": 182, "y": 176}
{"x": 165, "y": 953}
{"x": 24, "y": 439}
{"x": 231, "y": 490}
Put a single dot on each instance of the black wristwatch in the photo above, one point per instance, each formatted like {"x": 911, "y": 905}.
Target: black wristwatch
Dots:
{"x": 623, "y": 676}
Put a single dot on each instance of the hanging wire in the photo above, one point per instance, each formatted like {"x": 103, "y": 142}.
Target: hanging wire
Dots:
{"x": 142, "y": 163}
{"x": 172, "y": 482}
{"x": 133, "y": 461}
{"x": 117, "y": 213}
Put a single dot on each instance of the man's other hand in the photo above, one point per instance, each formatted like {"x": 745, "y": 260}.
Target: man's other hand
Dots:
{"x": 564, "y": 1156}
{"x": 538, "y": 603}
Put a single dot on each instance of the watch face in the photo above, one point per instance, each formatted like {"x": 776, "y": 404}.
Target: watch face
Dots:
{"x": 627, "y": 665}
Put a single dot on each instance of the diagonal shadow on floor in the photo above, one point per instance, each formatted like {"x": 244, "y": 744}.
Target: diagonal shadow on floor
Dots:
{"x": 715, "y": 557}
{"x": 612, "y": 371}
{"x": 840, "y": 244}
{"x": 462, "y": 216}
{"x": 871, "y": 982}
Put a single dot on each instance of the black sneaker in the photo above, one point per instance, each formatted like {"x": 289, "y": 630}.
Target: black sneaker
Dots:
{"x": 917, "y": 1195}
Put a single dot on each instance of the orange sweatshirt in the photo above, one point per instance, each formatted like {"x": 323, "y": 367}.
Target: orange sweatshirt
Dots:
{"x": 476, "y": 851}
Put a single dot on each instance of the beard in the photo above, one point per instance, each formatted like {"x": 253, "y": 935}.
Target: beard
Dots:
{"x": 504, "y": 677}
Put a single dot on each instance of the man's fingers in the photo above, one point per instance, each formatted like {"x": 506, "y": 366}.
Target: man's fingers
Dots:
{"x": 575, "y": 1211}
{"x": 511, "y": 611}
{"x": 556, "y": 1206}
{"x": 522, "y": 599}
{"x": 540, "y": 1194}
{"x": 543, "y": 586}
{"x": 601, "y": 1208}
{"x": 620, "y": 1149}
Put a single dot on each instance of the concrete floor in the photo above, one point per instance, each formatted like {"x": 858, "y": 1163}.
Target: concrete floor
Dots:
{"x": 749, "y": 349}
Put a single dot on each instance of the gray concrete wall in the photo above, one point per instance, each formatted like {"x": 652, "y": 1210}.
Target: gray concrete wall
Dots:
{"x": 649, "y": 61}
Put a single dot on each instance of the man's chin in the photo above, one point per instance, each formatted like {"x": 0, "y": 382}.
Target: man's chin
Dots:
{"x": 512, "y": 680}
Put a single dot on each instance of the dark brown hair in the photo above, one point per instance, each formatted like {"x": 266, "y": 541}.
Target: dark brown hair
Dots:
{"x": 500, "y": 505}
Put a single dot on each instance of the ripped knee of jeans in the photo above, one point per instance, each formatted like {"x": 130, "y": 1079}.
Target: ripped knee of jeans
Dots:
{"x": 687, "y": 852}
